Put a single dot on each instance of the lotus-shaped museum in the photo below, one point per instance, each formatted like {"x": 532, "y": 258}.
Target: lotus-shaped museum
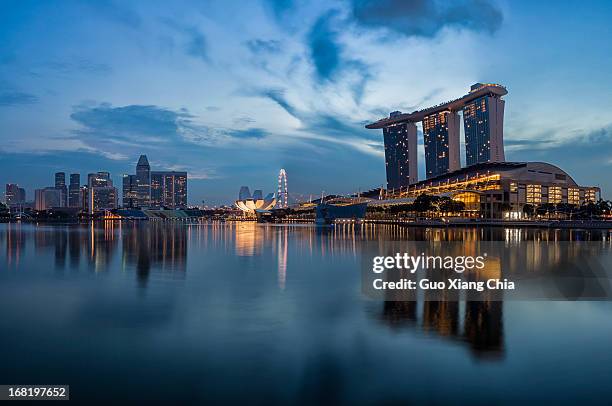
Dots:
{"x": 250, "y": 203}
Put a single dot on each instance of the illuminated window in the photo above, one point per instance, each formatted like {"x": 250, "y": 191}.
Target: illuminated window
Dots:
{"x": 573, "y": 196}
{"x": 590, "y": 196}
{"x": 554, "y": 194}
{"x": 470, "y": 199}
{"x": 534, "y": 194}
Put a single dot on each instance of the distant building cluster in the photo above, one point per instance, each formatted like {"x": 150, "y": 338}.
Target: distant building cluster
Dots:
{"x": 145, "y": 189}
{"x": 154, "y": 189}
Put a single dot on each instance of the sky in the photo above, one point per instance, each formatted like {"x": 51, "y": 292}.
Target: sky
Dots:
{"x": 233, "y": 91}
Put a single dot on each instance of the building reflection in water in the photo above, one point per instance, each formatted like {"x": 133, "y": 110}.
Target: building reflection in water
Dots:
{"x": 15, "y": 242}
{"x": 282, "y": 258}
{"x": 93, "y": 246}
{"x": 155, "y": 245}
{"x": 481, "y": 328}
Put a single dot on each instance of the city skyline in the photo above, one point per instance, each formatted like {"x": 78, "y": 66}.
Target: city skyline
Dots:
{"x": 291, "y": 87}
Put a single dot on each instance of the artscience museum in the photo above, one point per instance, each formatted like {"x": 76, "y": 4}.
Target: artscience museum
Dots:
{"x": 250, "y": 203}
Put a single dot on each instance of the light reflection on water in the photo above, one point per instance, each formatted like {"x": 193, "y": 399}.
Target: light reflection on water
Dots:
{"x": 190, "y": 311}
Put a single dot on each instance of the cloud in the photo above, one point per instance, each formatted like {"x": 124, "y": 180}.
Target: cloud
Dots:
{"x": 257, "y": 46}
{"x": 324, "y": 48}
{"x": 326, "y": 127}
{"x": 9, "y": 98}
{"x": 72, "y": 65}
{"x": 426, "y": 18}
{"x": 253, "y": 133}
{"x": 195, "y": 44}
{"x": 145, "y": 123}
{"x": 280, "y": 7}
{"x": 243, "y": 121}
{"x": 152, "y": 126}
{"x": 328, "y": 56}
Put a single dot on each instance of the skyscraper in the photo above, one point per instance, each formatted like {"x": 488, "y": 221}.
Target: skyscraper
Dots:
{"x": 483, "y": 113}
{"x": 441, "y": 139}
{"x": 101, "y": 195}
{"x": 60, "y": 184}
{"x": 400, "y": 154}
{"x": 99, "y": 179}
{"x": 169, "y": 189}
{"x": 102, "y": 198}
{"x": 14, "y": 196}
{"x": 74, "y": 192}
{"x": 483, "y": 121}
{"x": 47, "y": 198}
{"x": 143, "y": 181}
{"x": 130, "y": 191}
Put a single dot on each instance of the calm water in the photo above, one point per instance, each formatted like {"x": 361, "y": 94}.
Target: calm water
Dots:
{"x": 275, "y": 314}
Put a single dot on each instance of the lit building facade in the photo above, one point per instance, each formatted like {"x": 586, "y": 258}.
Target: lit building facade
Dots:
{"x": 143, "y": 181}
{"x": 102, "y": 198}
{"x": 497, "y": 190}
{"x": 100, "y": 192}
{"x": 249, "y": 204}
{"x": 99, "y": 179}
{"x": 47, "y": 198}
{"x": 483, "y": 113}
{"x": 169, "y": 189}
{"x": 400, "y": 155}
{"x": 483, "y": 122}
{"x": 74, "y": 191}
{"x": 130, "y": 191}
{"x": 14, "y": 196}
{"x": 60, "y": 184}
{"x": 441, "y": 140}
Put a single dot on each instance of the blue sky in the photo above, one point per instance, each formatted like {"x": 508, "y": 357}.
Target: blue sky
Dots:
{"x": 234, "y": 91}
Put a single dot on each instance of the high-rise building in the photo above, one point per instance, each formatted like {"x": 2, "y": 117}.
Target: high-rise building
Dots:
{"x": 14, "y": 195}
{"x": 483, "y": 113}
{"x": 74, "y": 191}
{"x": 60, "y": 184}
{"x": 400, "y": 154}
{"x": 168, "y": 189}
{"x": 47, "y": 198}
{"x": 441, "y": 139}
{"x": 102, "y": 198}
{"x": 99, "y": 179}
{"x": 143, "y": 181}
{"x": 101, "y": 194}
{"x": 130, "y": 191}
{"x": 483, "y": 122}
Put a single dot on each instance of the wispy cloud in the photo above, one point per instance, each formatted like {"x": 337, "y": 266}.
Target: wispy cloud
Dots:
{"x": 103, "y": 125}
{"x": 259, "y": 45}
{"x": 320, "y": 126}
{"x": 194, "y": 40}
{"x": 10, "y": 98}
{"x": 426, "y": 18}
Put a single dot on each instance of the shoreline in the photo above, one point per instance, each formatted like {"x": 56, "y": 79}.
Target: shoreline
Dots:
{"x": 576, "y": 224}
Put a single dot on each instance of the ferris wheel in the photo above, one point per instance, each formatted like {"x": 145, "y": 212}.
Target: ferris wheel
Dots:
{"x": 282, "y": 197}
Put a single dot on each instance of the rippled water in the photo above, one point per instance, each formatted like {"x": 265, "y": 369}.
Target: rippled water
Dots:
{"x": 275, "y": 314}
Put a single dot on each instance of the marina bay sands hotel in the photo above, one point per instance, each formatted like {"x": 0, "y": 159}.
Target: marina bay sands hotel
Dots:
{"x": 489, "y": 186}
{"x": 483, "y": 122}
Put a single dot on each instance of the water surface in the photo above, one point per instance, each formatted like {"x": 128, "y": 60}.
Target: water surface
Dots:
{"x": 275, "y": 314}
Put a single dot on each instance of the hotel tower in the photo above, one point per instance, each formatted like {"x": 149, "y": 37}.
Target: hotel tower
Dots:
{"x": 483, "y": 118}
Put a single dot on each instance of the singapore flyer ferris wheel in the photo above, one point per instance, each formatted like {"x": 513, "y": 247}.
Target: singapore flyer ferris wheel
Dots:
{"x": 282, "y": 197}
